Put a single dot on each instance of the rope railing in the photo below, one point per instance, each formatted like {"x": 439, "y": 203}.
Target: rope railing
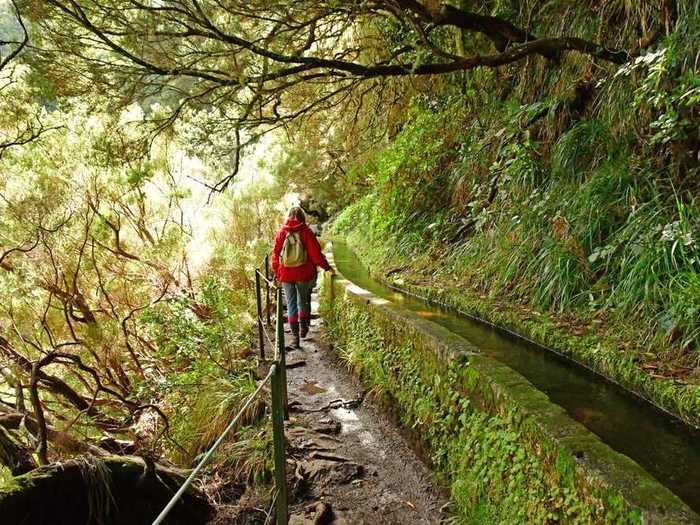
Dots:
{"x": 277, "y": 376}
{"x": 267, "y": 336}
{"x": 270, "y": 282}
{"x": 270, "y": 512}
{"x": 269, "y": 285}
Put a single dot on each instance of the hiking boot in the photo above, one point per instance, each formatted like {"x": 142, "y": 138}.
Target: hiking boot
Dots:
{"x": 304, "y": 328}
{"x": 296, "y": 343}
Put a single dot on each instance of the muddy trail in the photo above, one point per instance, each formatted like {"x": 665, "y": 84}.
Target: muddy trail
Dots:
{"x": 349, "y": 463}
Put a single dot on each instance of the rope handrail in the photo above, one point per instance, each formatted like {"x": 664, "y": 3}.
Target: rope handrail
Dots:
{"x": 270, "y": 513}
{"x": 213, "y": 448}
{"x": 277, "y": 376}
{"x": 271, "y": 282}
{"x": 267, "y": 336}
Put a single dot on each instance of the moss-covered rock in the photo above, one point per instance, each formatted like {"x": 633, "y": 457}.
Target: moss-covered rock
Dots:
{"x": 115, "y": 490}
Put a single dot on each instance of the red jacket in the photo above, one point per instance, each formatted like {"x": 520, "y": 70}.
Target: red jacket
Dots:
{"x": 307, "y": 271}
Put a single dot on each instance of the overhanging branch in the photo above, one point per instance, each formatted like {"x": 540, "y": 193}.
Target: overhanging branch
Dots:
{"x": 25, "y": 39}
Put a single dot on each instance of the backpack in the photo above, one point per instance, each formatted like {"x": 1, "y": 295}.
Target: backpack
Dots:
{"x": 293, "y": 251}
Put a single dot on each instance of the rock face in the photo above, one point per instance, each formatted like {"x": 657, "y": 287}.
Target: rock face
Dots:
{"x": 113, "y": 490}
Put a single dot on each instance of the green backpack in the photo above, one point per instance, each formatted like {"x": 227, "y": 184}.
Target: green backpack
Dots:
{"x": 293, "y": 252}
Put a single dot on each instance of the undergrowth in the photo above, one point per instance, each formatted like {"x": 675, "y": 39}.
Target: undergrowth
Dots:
{"x": 204, "y": 341}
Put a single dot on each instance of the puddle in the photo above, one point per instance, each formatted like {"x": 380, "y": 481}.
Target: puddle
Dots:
{"x": 348, "y": 420}
{"x": 312, "y": 388}
{"x": 367, "y": 439}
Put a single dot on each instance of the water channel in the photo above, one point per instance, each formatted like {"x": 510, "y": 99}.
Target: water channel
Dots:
{"x": 668, "y": 449}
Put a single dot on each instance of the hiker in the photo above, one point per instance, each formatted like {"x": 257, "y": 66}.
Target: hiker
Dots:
{"x": 296, "y": 256}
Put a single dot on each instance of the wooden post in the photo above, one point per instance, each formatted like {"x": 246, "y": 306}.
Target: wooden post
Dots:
{"x": 332, "y": 286}
{"x": 268, "y": 278}
{"x": 258, "y": 300}
{"x": 278, "y": 443}
{"x": 282, "y": 357}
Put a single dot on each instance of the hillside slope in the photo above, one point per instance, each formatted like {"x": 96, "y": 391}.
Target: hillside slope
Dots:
{"x": 559, "y": 200}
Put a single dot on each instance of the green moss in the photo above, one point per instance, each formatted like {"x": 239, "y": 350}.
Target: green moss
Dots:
{"x": 8, "y": 483}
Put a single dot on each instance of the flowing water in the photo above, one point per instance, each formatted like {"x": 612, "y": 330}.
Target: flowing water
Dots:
{"x": 668, "y": 449}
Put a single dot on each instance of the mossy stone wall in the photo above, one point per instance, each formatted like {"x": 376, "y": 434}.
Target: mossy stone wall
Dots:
{"x": 507, "y": 454}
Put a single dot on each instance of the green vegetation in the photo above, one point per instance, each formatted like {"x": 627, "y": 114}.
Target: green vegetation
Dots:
{"x": 535, "y": 163}
{"x": 129, "y": 338}
{"x": 575, "y": 225}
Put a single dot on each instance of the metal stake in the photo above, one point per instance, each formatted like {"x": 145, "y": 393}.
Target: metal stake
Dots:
{"x": 258, "y": 301}
{"x": 278, "y": 444}
{"x": 281, "y": 352}
{"x": 268, "y": 278}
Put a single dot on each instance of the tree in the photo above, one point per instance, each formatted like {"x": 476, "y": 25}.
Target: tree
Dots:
{"x": 15, "y": 46}
{"x": 21, "y": 117}
{"x": 250, "y": 67}
{"x": 83, "y": 252}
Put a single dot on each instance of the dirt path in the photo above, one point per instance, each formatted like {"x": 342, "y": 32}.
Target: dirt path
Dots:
{"x": 351, "y": 463}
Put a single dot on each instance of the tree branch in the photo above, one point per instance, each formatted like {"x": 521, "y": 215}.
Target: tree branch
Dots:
{"x": 25, "y": 39}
